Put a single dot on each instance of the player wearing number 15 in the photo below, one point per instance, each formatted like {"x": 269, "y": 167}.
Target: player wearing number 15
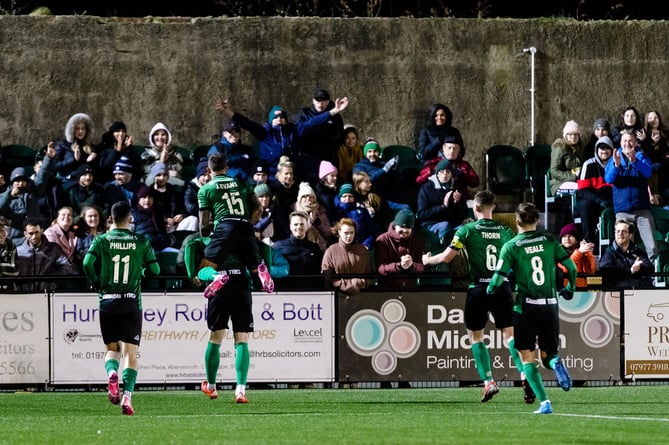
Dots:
{"x": 532, "y": 255}
{"x": 115, "y": 264}
{"x": 231, "y": 204}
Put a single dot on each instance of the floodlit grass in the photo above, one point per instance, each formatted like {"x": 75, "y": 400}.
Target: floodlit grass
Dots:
{"x": 603, "y": 415}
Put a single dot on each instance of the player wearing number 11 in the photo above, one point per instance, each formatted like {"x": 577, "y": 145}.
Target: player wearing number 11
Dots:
{"x": 532, "y": 255}
{"x": 115, "y": 264}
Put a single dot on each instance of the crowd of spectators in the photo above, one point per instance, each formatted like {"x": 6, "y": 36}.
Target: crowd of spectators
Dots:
{"x": 319, "y": 188}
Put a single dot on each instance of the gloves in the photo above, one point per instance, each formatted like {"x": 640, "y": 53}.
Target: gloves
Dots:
{"x": 391, "y": 164}
{"x": 566, "y": 294}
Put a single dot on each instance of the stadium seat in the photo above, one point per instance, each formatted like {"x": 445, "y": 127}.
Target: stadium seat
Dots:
{"x": 537, "y": 163}
{"x": 505, "y": 172}
{"x": 199, "y": 152}
{"x": 408, "y": 167}
{"x": 565, "y": 198}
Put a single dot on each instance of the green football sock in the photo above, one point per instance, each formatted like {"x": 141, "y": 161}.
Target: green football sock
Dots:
{"x": 534, "y": 379}
{"x": 212, "y": 359}
{"x": 111, "y": 365}
{"x": 515, "y": 356}
{"x": 482, "y": 359}
{"x": 242, "y": 362}
{"x": 129, "y": 379}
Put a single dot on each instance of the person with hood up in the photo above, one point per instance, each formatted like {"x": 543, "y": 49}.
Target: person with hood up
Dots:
{"x": 160, "y": 149}
{"x": 76, "y": 148}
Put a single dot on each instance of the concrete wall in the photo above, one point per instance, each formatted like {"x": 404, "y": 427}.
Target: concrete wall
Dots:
{"x": 171, "y": 70}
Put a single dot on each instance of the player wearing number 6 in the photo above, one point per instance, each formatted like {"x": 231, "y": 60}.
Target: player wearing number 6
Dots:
{"x": 115, "y": 264}
{"x": 482, "y": 240}
{"x": 533, "y": 255}
{"x": 230, "y": 203}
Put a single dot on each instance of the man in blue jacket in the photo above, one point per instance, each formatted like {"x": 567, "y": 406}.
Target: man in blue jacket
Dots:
{"x": 629, "y": 173}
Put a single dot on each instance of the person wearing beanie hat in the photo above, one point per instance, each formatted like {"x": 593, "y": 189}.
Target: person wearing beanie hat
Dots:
{"x": 318, "y": 224}
{"x": 262, "y": 190}
{"x": 202, "y": 168}
{"x": 601, "y": 127}
{"x": 264, "y": 227}
{"x": 345, "y": 188}
{"x": 349, "y": 153}
{"x": 123, "y": 187}
{"x": 159, "y": 168}
{"x": 326, "y": 168}
{"x": 594, "y": 194}
{"x": 566, "y": 160}
{"x": 580, "y": 252}
{"x": 442, "y": 205}
{"x": 384, "y": 176}
{"x": 371, "y": 144}
{"x": 85, "y": 192}
{"x": 123, "y": 166}
{"x": 167, "y": 198}
{"x": 116, "y": 142}
{"x": 348, "y": 206}
{"x": 397, "y": 256}
{"x": 240, "y": 156}
{"x": 483, "y": 239}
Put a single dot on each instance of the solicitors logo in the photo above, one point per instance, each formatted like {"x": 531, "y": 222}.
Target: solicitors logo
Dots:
{"x": 383, "y": 335}
{"x": 71, "y": 335}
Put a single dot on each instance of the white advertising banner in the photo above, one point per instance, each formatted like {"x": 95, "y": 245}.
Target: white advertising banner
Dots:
{"x": 646, "y": 334}
{"x": 24, "y": 342}
{"x": 293, "y": 339}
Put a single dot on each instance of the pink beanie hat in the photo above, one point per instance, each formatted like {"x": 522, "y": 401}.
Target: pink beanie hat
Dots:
{"x": 326, "y": 168}
{"x": 570, "y": 127}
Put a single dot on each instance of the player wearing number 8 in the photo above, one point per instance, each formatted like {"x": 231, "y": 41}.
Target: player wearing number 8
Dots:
{"x": 115, "y": 264}
{"x": 230, "y": 204}
{"x": 532, "y": 255}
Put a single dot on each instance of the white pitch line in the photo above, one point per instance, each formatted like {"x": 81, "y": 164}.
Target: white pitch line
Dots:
{"x": 599, "y": 416}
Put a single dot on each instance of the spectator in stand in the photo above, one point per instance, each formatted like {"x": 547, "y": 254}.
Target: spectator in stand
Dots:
{"x": 465, "y": 175}
{"x": 91, "y": 224}
{"x": 623, "y": 265}
{"x": 85, "y": 192}
{"x": 304, "y": 256}
{"x": 377, "y": 207}
{"x": 628, "y": 174}
{"x": 20, "y": 201}
{"x": 384, "y": 175}
{"x": 285, "y": 196}
{"x": 580, "y": 253}
{"x": 432, "y": 136}
{"x": 239, "y": 155}
{"x": 319, "y": 230}
{"x": 600, "y": 128}
{"x": 166, "y": 198}
{"x": 320, "y": 142}
{"x": 398, "y": 253}
{"x": 349, "y": 154}
{"x": 594, "y": 194}
{"x": 7, "y": 257}
{"x": 346, "y": 257}
{"x": 116, "y": 142}
{"x": 366, "y": 231}
{"x": 77, "y": 148}
{"x": 655, "y": 147}
{"x": 191, "y": 206}
{"x": 150, "y": 221}
{"x": 441, "y": 205}
{"x": 37, "y": 257}
{"x": 264, "y": 227}
{"x": 630, "y": 119}
{"x": 61, "y": 232}
{"x": 566, "y": 155}
{"x": 52, "y": 194}
{"x": 123, "y": 188}
{"x": 259, "y": 173}
{"x": 327, "y": 189}
{"x": 160, "y": 149}
{"x": 277, "y": 137}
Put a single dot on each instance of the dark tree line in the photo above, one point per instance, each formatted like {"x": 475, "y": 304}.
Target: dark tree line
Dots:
{"x": 578, "y": 9}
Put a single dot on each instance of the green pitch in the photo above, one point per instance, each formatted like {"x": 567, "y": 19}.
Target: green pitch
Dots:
{"x": 604, "y": 415}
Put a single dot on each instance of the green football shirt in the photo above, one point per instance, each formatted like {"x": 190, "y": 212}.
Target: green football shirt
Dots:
{"x": 533, "y": 257}
{"x": 120, "y": 257}
{"x": 225, "y": 197}
{"x": 482, "y": 240}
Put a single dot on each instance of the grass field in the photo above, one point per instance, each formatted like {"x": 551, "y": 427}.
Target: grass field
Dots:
{"x": 603, "y": 415}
